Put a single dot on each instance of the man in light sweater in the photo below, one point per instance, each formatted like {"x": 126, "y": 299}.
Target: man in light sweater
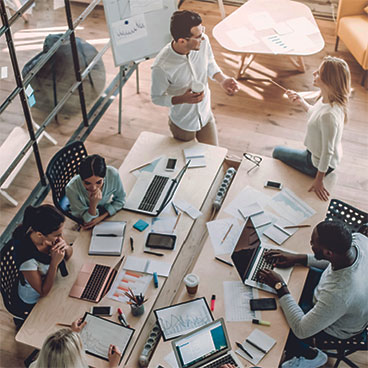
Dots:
{"x": 180, "y": 79}
{"x": 334, "y": 303}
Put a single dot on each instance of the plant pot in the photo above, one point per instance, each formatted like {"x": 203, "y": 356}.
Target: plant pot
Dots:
{"x": 137, "y": 310}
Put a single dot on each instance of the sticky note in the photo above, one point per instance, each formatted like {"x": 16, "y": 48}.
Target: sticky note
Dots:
{"x": 140, "y": 225}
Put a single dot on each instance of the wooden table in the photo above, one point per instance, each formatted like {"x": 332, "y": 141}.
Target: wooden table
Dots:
{"x": 228, "y": 32}
{"x": 212, "y": 273}
{"x": 59, "y": 307}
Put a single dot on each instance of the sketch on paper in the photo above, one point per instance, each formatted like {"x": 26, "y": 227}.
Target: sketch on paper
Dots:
{"x": 129, "y": 29}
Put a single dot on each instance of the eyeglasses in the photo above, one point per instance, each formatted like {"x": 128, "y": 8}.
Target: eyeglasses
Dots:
{"x": 252, "y": 158}
{"x": 198, "y": 37}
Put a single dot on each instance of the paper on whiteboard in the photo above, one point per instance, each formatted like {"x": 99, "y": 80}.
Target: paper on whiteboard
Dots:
{"x": 242, "y": 36}
{"x": 129, "y": 29}
{"x": 144, "y": 6}
{"x": 236, "y": 297}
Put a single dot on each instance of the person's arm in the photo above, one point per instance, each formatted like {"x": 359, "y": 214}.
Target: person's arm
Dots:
{"x": 114, "y": 356}
{"x": 229, "y": 84}
{"x": 118, "y": 198}
{"x": 284, "y": 259}
{"x": 317, "y": 263}
{"x": 294, "y": 97}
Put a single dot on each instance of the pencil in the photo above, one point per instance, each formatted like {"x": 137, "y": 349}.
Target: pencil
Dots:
{"x": 277, "y": 85}
{"x": 223, "y": 261}
{"x": 227, "y": 233}
{"x": 177, "y": 220}
{"x": 141, "y": 166}
{"x": 63, "y": 324}
{"x": 256, "y": 346}
{"x": 296, "y": 226}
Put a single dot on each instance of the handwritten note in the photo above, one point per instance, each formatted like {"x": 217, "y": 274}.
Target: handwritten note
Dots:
{"x": 129, "y": 29}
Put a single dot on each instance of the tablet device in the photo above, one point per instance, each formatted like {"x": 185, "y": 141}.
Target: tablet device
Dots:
{"x": 161, "y": 241}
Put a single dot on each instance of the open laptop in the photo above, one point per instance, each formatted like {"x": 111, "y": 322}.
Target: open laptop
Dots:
{"x": 206, "y": 347}
{"x": 94, "y": 281}
{"x": 248, "y": 258}
{"x": 152, "y": 192}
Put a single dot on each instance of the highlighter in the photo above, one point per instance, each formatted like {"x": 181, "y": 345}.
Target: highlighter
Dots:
{"x": 155, "y": 279}
{"x": 213, "y": 302}
{"x": 260, "y": 322}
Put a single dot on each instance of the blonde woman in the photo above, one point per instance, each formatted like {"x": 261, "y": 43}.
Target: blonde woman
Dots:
{"x": 326, "y": 120}
{"x": 64, "y": 349}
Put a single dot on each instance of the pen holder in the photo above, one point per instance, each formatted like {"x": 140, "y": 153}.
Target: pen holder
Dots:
{"x": 137, "y": 310}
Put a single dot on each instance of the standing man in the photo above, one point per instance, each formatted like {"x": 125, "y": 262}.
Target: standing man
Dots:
{"x": 180, "y": 79}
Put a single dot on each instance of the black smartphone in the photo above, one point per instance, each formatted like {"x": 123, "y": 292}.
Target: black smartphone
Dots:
{"x": 273, "y": 184}
{"x": 102, "y": 311}
{"x": 263, "y": 304}
{"x": 170, "y": 165}
{"x": 161, "y": 241}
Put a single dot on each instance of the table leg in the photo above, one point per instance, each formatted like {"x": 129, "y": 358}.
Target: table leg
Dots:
{"x": 244, "y": 66}
{"x": 298, "y": 62}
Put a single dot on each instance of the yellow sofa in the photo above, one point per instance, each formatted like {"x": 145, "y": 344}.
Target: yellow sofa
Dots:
{"x": 352, "y": 29}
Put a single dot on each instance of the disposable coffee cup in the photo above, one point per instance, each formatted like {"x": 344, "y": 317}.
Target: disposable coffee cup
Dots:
{"x": 197, "y": 87}
{"x": 191, "y": 282}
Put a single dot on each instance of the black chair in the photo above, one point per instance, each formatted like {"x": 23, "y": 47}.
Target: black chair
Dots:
{"x": 63, "y": 167}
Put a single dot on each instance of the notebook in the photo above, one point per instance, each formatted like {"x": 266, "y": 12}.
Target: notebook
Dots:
{"x": 248, "y": 258}
{"x": 94, "y": 281}
{"x": 152, "y": 192}
{"x": 195, "y": 156}
{"x": 207, "y": 346}
{"x": 107, "y": 238}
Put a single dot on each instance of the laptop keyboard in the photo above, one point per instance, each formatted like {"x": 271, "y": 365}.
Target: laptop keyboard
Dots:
{"x": 153, "y": 193}
{"x": 95, "y": 282}
{"x": 227, "y": 359}
{"x": 262, "y": 264}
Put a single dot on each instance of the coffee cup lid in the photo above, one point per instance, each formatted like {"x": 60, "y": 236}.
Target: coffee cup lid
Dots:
{"x": 191, "y": 280}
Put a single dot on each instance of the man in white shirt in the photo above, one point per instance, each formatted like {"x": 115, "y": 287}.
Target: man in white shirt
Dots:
{"x": 185, "y": 60}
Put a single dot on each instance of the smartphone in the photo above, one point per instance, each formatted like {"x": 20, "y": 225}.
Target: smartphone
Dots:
{"x": 273, "y": 184}
{"x": 161, "y": 241}
{"x": 263, "y": 304}
{"x": 170, "y": 165}
{"x": 102, "y": 311}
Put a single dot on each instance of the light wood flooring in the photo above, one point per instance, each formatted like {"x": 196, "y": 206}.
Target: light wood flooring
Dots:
{"x": 255, "y": 120}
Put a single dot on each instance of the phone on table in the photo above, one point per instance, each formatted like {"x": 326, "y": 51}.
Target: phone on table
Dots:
{"x": 170, "y": 165}
{"x": 273, "y": 184}
{"x": 102, "y": 311}
{"x": 263, "y": 304}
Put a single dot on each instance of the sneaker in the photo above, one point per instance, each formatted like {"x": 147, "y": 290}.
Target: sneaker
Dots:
{"x": 302, "y": 362}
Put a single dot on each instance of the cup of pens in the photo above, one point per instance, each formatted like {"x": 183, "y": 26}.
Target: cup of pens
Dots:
{"x": 136, "y": 302}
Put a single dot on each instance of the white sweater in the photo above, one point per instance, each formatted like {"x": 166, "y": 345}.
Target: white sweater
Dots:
{"x": 340, "y": 299}
{"x": 324, "y": 132}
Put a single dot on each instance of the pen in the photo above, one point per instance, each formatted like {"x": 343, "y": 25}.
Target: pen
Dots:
{"x": 227, "y": 233}
{"x": 155, "y": 279}
{"x": 141, "y": 166}
{"x": 277, "y": 85}
{"x": 223, "y": 261}
{"x": 213, "y": 298}
{"x": 122, "y": 318}
{"x": 260, "y": 322}
{"x": 296, "y": 226}
{"x": 256, "y": 346}
{"x": 153, "y": 253}
{"x": 177, "y": 220}
{"x": 63, "y": 324}
{"x": 282, "y": 230}
{"x": 107, "y": 235}
{"x": 239, "y": 345}
{"x": 175, "y": 209}
{"x": 131, "y": 244}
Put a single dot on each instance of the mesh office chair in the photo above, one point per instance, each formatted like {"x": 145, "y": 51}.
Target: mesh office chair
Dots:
{"x": 63, "y": 167}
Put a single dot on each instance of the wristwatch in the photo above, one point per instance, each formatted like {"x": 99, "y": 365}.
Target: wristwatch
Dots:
{"x": 279, "y": 285}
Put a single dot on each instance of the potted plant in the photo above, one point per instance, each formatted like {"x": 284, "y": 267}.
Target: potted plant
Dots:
{"x": 136, "y": 302}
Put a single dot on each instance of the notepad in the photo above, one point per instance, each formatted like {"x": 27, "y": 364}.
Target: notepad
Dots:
{"x": 146, "y": 265}
{"x": 107, "y": 238}
{"x": 196, "y": 156}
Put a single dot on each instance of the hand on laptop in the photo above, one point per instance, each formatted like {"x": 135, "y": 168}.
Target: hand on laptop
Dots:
{"x": 114, "y": 356}
{"x": 227, "y": 366}
{"x": 269, "y": 277}
{"x": 284, "y": 259}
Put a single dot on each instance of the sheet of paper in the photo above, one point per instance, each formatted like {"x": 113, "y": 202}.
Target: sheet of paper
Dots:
{"x": 99, "y": 333}
{"x": 126, "y": 280}
{"x": 163, "y": 224}
{"x": 188, "y": 208}
{"x": 146, "y": 265}
{"x": 298, "y": 42}
{"x": 282, "y": 28}
{"x": 302, "y": 26}
{"x": 4, "y": 72}
{"x": 217, "y": 230}
{"x": 144, "y": 6}
{"x": 236, "y": 298}
{"x": 242, "y": 36}
{"x": 290, "y": 206}
{"x": 183, "y": 318}
{"x": 261, "y": 21}
{"x": 278, "y": 234}
{"x": 129, "y": 29}
{"x": 278, "y": 44}
{"x": 171, "y": 360}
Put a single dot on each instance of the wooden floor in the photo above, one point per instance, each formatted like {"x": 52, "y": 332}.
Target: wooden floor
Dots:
{"x": 255, "y": 120}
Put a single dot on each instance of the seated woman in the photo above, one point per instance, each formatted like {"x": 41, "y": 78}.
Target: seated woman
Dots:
{"x": 64, "y": 349}
{"x": 96, "y": 193}
{"x": 324, "y": 127}
{"x": 39, "y": 248}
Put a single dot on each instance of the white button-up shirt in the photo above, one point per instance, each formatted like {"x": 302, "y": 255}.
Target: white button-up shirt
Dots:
{"x": 173, "y": 74}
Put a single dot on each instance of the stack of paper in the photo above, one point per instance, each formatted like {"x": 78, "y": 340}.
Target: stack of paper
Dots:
{"x": 196, "y": 156}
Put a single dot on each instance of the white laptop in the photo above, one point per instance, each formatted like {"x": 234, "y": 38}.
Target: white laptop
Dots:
{"x": 152, "y": 192}
{"x": 248, "y": 258}
{"x": 207, "y": 346}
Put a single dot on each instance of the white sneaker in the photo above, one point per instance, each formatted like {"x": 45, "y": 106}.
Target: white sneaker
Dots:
{"x": 302, "y": 362}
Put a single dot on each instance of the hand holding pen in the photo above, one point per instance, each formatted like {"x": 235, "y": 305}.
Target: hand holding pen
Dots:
{"x": 114, "y": 356}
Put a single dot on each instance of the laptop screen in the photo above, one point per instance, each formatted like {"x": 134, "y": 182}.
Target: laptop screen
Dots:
{"x": 201, "y": 344}
{"x": 246, "y": 249}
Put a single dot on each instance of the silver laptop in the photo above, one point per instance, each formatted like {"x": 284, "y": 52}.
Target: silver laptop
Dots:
{"x": 207, "y": 346}
{"x": 248, "y": 258}
{"x": 152, "y": 192}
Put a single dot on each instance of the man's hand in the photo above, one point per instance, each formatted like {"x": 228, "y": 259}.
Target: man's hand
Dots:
{"x": 318, "y": 188}
{"x": 269, "y": 277}
{"x": 114, "y": 356}
{"x": 188, "y": 97}
{"x": 230, "y": 85}
{"x": 227, "y": 366}
{"x": 94, "y": 222}
{"x": 78, "y": 325}
{"x": 283, "y": 259}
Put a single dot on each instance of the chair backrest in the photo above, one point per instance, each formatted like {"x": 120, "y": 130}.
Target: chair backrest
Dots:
{"x": 61, "y": 169}
{"x": 338, "y": 210}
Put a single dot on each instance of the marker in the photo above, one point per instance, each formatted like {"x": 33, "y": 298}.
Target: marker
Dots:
{"x": 175, "y": 209}
{"x": 223, "y": 261}
{"x": 256, "y": 346}
{"x": 122, "y": 318}
{"x": 153, "y": 253}
{"x": 260, "y": 322}
{"x": 239, "y": 345}
{"x": 131, "y": 244}
{"x": 63, "y": 324}
{"x": 155, "y": 279}
{"x": 213, "y": 298}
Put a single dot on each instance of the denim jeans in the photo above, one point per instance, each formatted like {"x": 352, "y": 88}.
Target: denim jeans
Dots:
{"x": 300, "y": 160}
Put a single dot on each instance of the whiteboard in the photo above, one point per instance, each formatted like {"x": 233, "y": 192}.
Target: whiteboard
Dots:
{"x": 138, "y": 29}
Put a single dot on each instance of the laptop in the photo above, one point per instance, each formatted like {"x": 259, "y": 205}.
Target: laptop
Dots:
{"x": 94, "y": 281}
{"x": 207, "y": 346}
{"x": 152, "y": 192}
{"x": 248, "y": 258}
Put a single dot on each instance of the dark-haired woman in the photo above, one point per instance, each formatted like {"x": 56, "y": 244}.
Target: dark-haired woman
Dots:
{"x": 96, "y": 193}
{"x": 40, "y": 248}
